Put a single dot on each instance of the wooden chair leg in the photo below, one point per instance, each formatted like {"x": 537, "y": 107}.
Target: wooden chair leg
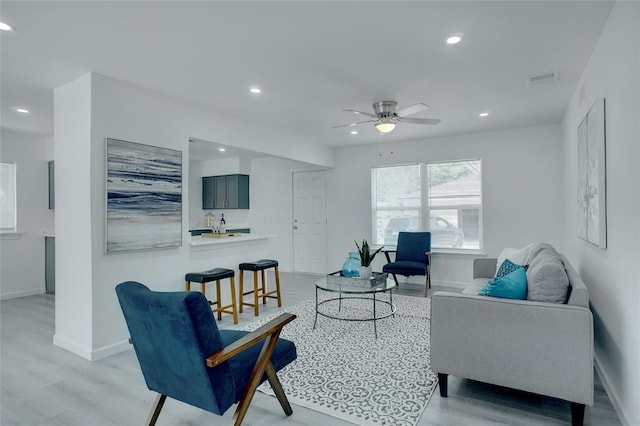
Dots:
{"x": 256, "y": 375}
{"x": 155, "y": 410}
{"x": 203, "y": 289}
{"x": 278, "y": 287}
{"x": 218, "y": 300}
{"x": 255, "y": 293}
{"x": 264, "y": 287}
{"x": 241, "y": 291}
{"x": 234, "y": 305}
{"x": 187, "y": 285}
{"x": 277, "y": 389}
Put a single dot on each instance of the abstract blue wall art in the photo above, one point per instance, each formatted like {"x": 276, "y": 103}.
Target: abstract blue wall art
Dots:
{"x": 592, "y": 182}
{"x": 144, "y": 197}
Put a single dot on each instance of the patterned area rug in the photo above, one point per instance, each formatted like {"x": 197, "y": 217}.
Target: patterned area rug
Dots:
{"x": 344, "y": 371}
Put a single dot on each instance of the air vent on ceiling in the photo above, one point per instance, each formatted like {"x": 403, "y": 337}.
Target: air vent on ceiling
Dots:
{"x": 542, "y": 78}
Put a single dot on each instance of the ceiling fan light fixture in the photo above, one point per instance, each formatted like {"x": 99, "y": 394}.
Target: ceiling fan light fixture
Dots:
{"x": 385, "y": 125}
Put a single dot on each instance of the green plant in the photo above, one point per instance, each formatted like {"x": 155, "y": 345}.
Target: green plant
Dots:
{"x": 365, "y": 255}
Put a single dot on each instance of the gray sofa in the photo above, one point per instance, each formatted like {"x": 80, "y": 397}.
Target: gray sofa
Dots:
{"x": 535, "y": 346}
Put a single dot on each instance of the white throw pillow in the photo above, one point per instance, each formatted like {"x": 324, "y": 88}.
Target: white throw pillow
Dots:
{"x": 517, "y": 256}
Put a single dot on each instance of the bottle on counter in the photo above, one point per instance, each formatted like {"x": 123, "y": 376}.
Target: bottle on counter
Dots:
{"x": 208, "y": 220}
{"x": 223, "y": 224}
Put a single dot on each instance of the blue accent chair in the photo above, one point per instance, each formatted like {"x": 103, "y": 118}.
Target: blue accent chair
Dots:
{"x": 413, "y": 257}
{"x": 184, "y": 356}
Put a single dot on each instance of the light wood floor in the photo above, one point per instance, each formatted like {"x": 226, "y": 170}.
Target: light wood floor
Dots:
{"x": 42, "y": 384}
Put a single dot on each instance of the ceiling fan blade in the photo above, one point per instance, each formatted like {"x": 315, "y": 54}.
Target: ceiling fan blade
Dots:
{"x": 414, "y": 109}
{"x": 431, "y": 121}
{"x": 361, "y": 113}
{"x": 355, "y": 124}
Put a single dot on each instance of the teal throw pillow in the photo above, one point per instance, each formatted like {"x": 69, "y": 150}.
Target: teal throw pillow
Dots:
{"x": 508, "y": 267}
{"x": 510, "y": 286}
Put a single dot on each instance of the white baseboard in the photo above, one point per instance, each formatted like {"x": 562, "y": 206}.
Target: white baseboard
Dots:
{"x": 22, "y": 293}
{"x": 71, "y": 347}
{"x": 91, "y": 354}
{"x": 109, "y": 350}
{"x": 613, "y": 395}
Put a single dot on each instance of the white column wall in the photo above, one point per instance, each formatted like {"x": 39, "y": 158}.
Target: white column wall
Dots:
{"x": 272, "y": 204}
{"x": 522, "y": 192}
{"x": 22, "y": 256}
{"x": 88, "y": 317}
{"x": 611, "y": 274}
{"x": 74, "y": 220}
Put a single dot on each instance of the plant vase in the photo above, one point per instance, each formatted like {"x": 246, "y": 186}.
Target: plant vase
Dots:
{"x": 365, "y": 272}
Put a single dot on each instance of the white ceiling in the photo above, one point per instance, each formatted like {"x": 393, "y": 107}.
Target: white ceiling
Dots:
{"x": 311, "y": 59}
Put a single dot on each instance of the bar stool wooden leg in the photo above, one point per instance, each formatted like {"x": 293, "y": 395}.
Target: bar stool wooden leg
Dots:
{"x": 234, "y": 306}
{"x": 241, "y": 291}
{"x": 264, "y": 288}
{"x": 255, "y": 293}
{"x": 203, "y": 289}
{"x": 218, "y": 300}
{"x": 278, "y": 287}
{"x": 187, "y": 285}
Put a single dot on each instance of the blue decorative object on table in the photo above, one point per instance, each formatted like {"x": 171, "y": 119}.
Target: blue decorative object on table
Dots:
{"x": 351, "y": 266}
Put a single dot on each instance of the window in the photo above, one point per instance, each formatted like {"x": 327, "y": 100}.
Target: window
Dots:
{"x": 8, "y": 197}
{"x": 444, "y": 198}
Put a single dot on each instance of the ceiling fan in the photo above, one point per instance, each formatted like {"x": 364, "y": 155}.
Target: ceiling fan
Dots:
{"x": 386, "y": 117}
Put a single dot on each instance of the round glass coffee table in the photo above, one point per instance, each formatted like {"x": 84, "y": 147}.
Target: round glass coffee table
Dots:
{"x": 345, "y": 292}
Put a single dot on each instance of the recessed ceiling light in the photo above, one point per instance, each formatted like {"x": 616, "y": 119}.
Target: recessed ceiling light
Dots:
{"x": 5, "y": 27}
{"x": 354, "y": 132}
{"x": 20, "y": 110}
{"x": 222, "y": 149}
{"x": 454, "y": 39}
{"x": 484, "y": 114}
{"x": 255, "y": 90}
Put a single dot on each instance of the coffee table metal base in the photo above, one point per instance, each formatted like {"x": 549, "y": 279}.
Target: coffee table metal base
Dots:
{"x": 373, "y": 318}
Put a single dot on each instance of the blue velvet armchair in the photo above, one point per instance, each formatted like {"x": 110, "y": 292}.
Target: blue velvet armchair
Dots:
{"x": 413, "y": 257}
{"x": 184, "y": 356}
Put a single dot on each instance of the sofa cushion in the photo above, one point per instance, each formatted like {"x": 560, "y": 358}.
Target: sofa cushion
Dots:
{"x": 517, "y": 256}
{"x": 510, "y": 286}
{"x": 546, "y": 278}
{"x": 475, "y": 286}
{"x": 508, "y": 267}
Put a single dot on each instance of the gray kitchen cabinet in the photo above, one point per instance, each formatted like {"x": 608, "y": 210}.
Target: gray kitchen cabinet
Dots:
{"x": 225, "y": 192}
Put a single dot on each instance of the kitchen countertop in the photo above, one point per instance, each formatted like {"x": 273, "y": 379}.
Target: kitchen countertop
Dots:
{"x": 238, "y": 238}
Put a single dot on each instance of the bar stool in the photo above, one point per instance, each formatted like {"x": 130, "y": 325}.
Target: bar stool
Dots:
{"x": 216, "y": 275}
{"x": 260, "y": 265}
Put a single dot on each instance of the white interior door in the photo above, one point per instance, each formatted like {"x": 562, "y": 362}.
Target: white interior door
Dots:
{"x": 310, "y": 221}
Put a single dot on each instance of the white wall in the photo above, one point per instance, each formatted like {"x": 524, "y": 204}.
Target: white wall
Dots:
{"x": 22, "y": 256}
{"x": 272, "y": 204}
{"x": 522, "y": 191}
{"x": 88, "y": 318}
{"x": 238, "y": 218}
{"x": 612, "y": 274}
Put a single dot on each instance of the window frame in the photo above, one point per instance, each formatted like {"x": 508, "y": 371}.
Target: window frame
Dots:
{"x": 13, "y": 194}
{"x": 425, "y": 204}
